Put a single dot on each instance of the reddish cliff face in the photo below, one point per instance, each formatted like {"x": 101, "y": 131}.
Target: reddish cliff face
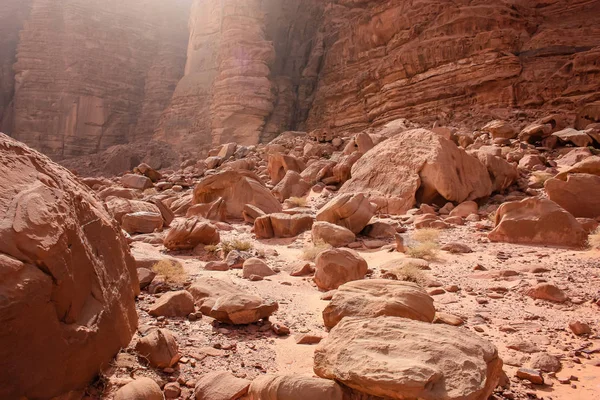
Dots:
{"x": 434, "y": 60}
{"x": 246, "y": 77}
{"x": 94, "y": 73}
{"x": 195, "y": 73}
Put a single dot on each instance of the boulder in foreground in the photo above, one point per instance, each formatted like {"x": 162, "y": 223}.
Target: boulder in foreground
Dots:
{"x": 67, "y": 278}
{"x": 398, "y": 358}
{"x": 294, "y": 387}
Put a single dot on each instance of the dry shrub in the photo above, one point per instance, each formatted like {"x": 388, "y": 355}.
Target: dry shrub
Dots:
{"x": 540, "y": 177}
{"x": 423, "y": 250}
{"x": 410, "y": 273}
{"x": 310, "y": 252}
{"x": 426, "y": 235}
{"x": 211, "y": 248}
{"x": 235, "y": 244}
{"x": 172, "y": 271}
{"x": 594, "y": 239}
{"x": 298, "y": 201}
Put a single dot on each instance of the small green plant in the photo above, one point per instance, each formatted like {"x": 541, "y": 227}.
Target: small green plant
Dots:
{"x": 426, "y": 235}
{"x": 310, "y": 252}
{"x": 298, "y": 201}
{"x": 594, "y": 239}
{"x": 172, "y": 271}
{"x": 236, "y": 244}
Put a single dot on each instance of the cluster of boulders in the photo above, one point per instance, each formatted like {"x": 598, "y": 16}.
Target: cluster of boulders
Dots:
{"x": 67, "y": 266}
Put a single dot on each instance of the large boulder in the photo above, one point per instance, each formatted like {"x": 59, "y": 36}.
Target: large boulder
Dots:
{"x": 352, "y": 211}
{"x": 241, "y": 309}
{"x": 294, "y": 387}
{"x": 418, "y": 166}
{"x": 119, "y": 207}
{"x": 67, "y": 279}
{"x": 187, "y": 233}
{"x": 537, "y": 221}
{"x": 292, "y": 185}
{"x": 207, "y": 290}
{"x": 579, "y": 194}
{"x": 237, "y": 188}
{"x": 376, "y": 297}
{"x": 279, "y": 164}
{"x": 142, "y": 222}
{"x": 502, "y": 173}
{"x": 337, "y": 266}
{"x": 159, "y": 347}
{"x": 173, "y": 304}
{"x": 500, "y": 130}
{"x": 334, "y": 235}
{"x": 220, "y": 385}
{"x": 398, "y": 358}
{"x": 281, "y": 225}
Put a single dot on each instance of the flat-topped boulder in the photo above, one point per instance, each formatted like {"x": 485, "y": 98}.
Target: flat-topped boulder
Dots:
{"x": 398, "y": 358}
{"x": 376, "y": 297}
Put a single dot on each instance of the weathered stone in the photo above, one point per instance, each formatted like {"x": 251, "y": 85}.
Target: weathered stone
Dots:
{"x": 337, "y": 266}
{"x": 160, "y": 348}
{"x": 187, "y": 233}
{"x": 334, "y": 235}
{"x": 293, "y": 387}
{"x": 398, "y": 358}
{"x": 379, "y": 297}
{"x": 352, "y": 211}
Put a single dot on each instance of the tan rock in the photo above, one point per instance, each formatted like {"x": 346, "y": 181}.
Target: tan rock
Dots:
{"x": 160, "y": 348}
{"x": 173, "y": 304}
{"x": 418, "y": 163}
{"x": 282, "y": 225}
{"x": 293, "y": 387}
{"x": 187, "y": 233}
{"x": 67, "y": 278}
{"x": 502, "y": 173}
{"x": 352, "y": 211}
{"x": 579, "y": 194}
{"x": 398, "y": 358}
{"x": 236, "y": 188}
{"x": 207, "y": 290}
{"x": 334, "y": 235}
{"x": 215, "y": 211}
{"x": 134, "y": 181}
{"x": 220, "y": 385}
{"x": 279, "y": 164}
{"x": 241, "y": 309}
{"x": 141, "y": 222}
{"x": 140, "y": 389}
{"x": 119, "y": 207}
{"x": 256, "y": 266}
{"x": 379, "y": 297}
{"x": 292, "y": 185}
{"x": 500, "y": 129}
{"x": 579, "y": 328}
{"x": 536, "y": 221}
{"x": 569, "y": 135}
{"x": 464, "y": 209}
{"x": 337, "y": 266}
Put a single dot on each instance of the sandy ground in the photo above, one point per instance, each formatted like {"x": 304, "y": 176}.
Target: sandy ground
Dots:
{"x": 490, "y": 302}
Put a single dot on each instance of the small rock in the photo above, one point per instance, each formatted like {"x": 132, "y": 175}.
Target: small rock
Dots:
{"x": 580, "y": 328}
{"x": 531, "y": 375}
{"x": 308, "y": 339}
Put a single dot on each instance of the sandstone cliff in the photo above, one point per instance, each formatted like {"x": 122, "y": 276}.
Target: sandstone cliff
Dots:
{"x": 92, "y": 74}
{"x": 88, "y": 71}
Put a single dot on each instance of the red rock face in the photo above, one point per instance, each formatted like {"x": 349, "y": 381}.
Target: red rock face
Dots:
{"x": 67, "y": 279}
{"x": 91, "y": 74}
{"x": 431, "y": 60}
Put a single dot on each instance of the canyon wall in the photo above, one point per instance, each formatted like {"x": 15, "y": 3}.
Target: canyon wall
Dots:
{"x": 245, "y": 77}
{"x": 90, "y": 74}
{"x": 434, "y": 60}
